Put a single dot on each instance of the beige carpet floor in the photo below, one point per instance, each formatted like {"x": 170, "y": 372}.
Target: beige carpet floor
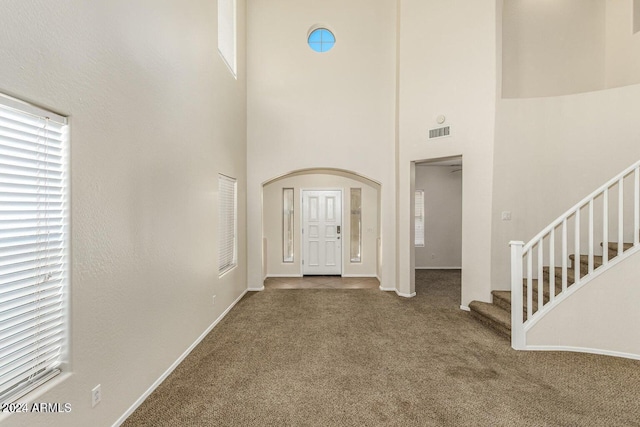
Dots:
{"x": 331, "y": 357}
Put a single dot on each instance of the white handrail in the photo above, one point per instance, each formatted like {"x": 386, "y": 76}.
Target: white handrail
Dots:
{"x": 523, "y": 314}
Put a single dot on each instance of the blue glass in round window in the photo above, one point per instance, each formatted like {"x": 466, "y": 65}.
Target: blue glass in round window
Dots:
{"x": 321, "y": 40}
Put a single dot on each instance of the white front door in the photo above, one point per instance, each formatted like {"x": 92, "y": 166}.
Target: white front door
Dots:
{"x": 322, "y": 232}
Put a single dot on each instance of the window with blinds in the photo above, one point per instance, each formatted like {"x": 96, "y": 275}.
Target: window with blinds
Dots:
{"x": 33, "y": 246}
{"x": 419, "y": 218}
{"x": 227, "y": 33}
{"x": 227, "y": 223}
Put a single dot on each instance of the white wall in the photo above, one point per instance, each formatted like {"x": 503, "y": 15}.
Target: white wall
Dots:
{"x": 331, "y": 110}
{"x": 442, "y": 187}
{"x": 554, "y": 47}
{"x": 552, "y": 152}
{"x": 623, "y": 45}
{"x": 441, "y": 74}
{"x": 602, "y": 316}
{"x": 272, "y": 220}
{"x": 155, "y": 116}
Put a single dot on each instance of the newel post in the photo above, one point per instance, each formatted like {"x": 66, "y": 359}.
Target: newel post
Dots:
{"x": 517, "y": 327}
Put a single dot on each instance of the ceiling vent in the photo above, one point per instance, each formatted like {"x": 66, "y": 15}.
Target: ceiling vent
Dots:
{"x": 440, "y": 132}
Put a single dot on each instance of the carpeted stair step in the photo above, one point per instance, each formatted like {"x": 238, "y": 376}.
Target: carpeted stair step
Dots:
{"x": 545, "y": 285}
{"x": 492, "y": 316}
{"x": 558, "y": 275}
{"x": 503, "y": 300}
{"x": 584, "y": 263}
{"x": 613, "y": 248}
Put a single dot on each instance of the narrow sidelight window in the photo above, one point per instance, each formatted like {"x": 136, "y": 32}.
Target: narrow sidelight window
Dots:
{"x": 287, "y": 224}
{"x": 356, "y": 225}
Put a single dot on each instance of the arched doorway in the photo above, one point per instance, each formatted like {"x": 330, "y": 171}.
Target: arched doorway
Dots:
{"x": 283, "y": 251}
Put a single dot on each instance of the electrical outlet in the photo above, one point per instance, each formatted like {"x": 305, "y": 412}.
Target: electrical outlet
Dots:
{"x": 96, "y": 396}
{"x": 214, "y": 300}
{"x": 506, "y": 216}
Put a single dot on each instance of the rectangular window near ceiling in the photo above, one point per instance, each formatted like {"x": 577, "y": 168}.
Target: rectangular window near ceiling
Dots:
{"x": 227, "y": 33}
{"x": 227, "y": 223}
{"x": 287, "y": 224}
{"x": 356, "y": 225}
{"x": 419, "y": 218}
{"x": 34, "y": 242}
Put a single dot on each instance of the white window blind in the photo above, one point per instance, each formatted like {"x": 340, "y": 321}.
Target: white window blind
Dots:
{"x": 227, "y": 223}
{"x": 419, "y": 218}
{"x": 33, "y": 246}
{"x": 227, "y": 33}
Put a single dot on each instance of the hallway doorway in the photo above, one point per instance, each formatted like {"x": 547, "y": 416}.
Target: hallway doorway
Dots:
{"x": 438, "y": 215}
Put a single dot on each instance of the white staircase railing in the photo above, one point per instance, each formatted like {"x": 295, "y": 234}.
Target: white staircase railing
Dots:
{"x": 540, "y": 273}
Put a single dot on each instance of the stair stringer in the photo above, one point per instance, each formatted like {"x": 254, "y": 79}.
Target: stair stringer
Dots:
{"x": 597, "y": 315}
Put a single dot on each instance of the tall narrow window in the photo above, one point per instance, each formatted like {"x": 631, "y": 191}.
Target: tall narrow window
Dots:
{"x": 227, "y": 223}
{"x": 33, "y": 246}
{"x": 636, "y": 16}
{"x": 356, "y": 225}
{"x": 227, "y": 33}
{"x": 419, "y": 218}
{"x": 287, "y": 224}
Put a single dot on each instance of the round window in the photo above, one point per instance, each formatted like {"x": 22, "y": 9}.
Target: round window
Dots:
{"x": 321, "y": 40}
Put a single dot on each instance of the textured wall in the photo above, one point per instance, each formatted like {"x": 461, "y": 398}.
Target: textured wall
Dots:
{"x": 329, "y": 110}
{"x": 552, "y": 152}
{"x": 155, "y": 116}
{"x": 600, "y": 317}
{"x": 623, "y": 44}
{"x": 553, "y": 47}
{"x": 441, "y": 74}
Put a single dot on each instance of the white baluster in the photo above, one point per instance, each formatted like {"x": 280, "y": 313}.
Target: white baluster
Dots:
{"x": 636, "y": 206}
{"x": 590, "y": 237}
{"x": 540, "y": 274}
{"x": 517, "y": 329}
{"x": 565, "y": 254}
{"x": 529, "y": 285}
{"x": 576, "y": 255}
{"x": 552, "y": 265}
{"x": 605, "y": 226}
{"x": 620, "y": 215}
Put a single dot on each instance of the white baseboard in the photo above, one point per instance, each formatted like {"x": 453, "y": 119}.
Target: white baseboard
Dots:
{"x": 359, "y": 275}
{"x": 438, "y": 268}
{"x": 255, "y": 289}
{"x": 283, "y": 275}
{"x": 174, "y": 365}
{"x": 400, "y": 294}
{"x": 583, "y": 350}
{"x": 465, "y": 308}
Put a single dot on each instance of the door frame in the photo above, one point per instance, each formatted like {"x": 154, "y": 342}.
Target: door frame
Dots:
{"x": 301, "y": 242}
